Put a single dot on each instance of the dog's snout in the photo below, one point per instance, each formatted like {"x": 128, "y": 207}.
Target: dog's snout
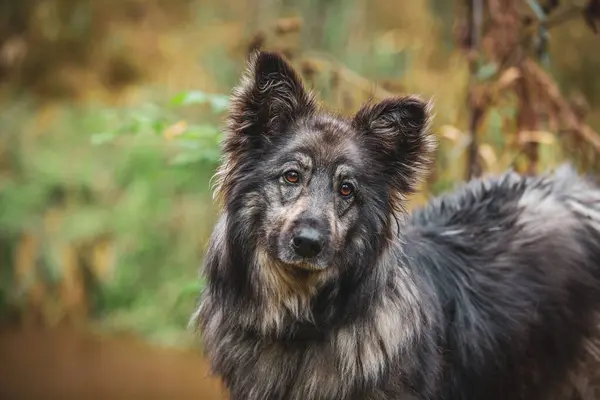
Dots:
{"x": 307, "y": 242}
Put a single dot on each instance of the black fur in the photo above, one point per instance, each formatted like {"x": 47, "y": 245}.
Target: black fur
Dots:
{"x": 487, "y": 293}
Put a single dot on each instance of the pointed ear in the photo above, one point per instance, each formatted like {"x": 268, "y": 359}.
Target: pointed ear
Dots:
{"x": 269, "y": 98}
{"x": 397, "y": 131}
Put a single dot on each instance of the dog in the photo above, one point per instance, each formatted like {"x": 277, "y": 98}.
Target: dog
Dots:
{"x": 319, "y": 286}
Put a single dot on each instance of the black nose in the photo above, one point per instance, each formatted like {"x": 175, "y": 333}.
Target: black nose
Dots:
{"x": 307, "y": 242}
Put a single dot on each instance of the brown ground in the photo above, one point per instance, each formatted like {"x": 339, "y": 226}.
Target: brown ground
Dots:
{"x": 71, "y": 364}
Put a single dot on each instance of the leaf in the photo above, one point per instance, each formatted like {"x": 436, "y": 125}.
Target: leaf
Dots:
{"x": 159, "y": 126}
{"x": 192, "y": 288}
{"x": 509, "y": 76}
{"x": 200, "y": 137}
{"x": 486, "y": 152}
{"x": 98, "y": 139}
{"x": 102, "y": 258}
{"x": 451, "y": 133}
{"x": 186, "y": 158}
{"x": 460, "y": 147}
{"x": 175, "y": 130}
{"x": 188, "y": 144}
{"x": 486, "y": 71}
{"x": 189, "y": 97}
{"x": 541, "y": 137}
{"x": 217, "y": 102}
{"x": 495, "y": 123}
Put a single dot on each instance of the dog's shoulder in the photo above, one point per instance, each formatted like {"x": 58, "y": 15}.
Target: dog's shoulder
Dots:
{"x": 478, "y": 204}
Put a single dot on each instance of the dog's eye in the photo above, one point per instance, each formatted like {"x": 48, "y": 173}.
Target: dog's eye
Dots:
{"x": 346, "y": 189}
{"x": 292, "y": 177}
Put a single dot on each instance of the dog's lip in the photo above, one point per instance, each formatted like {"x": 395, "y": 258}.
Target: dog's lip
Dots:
{"x": 305, "y": 266}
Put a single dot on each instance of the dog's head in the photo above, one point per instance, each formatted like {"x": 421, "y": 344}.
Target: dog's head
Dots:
{"x": 317, "y": 189}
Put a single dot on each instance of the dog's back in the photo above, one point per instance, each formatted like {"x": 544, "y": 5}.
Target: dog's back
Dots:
{"x": 516, "y": 263}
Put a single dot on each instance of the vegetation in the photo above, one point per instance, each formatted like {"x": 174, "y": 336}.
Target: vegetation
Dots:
{"x": 112, "y": 114}
{"x": 110, "y": 196}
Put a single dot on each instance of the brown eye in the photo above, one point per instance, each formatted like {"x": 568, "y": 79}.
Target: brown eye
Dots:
{"x": 292, "y": 177}
{"x": 346, "y": 189}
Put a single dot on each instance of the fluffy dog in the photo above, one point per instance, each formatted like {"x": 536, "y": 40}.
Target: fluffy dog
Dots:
{"x": 319, "y": 286}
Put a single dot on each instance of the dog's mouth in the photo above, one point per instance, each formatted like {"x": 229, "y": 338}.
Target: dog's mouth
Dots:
{"x": 285, "y": 255}
{"x": 292, "y": 263}
{"x": 303, "y": 265}
{"x": 302, "y": 270}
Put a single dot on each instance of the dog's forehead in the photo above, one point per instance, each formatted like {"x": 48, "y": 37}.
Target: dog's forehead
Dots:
{"x": 330, "y": 128}
{"x": 326, "y": 140}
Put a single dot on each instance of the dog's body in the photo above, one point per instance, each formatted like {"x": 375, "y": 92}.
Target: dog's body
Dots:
{"x": 318, "y": 286}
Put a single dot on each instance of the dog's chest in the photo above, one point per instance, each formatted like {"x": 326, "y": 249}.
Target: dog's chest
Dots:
{"x": 300, "y": 370}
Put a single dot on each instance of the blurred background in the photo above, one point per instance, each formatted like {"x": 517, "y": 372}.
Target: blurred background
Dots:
{"x": 111, "y": 113}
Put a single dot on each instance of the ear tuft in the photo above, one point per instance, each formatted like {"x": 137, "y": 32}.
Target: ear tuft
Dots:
{"x": 398, "y": 130}
{"x": 269, "y": 97}
{"x": 268, "y": 100}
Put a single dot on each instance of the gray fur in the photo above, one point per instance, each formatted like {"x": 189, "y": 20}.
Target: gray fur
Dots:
{"x": 491, "y": 291}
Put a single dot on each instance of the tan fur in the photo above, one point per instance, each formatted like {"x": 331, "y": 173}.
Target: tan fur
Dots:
{"x": 351, "y": 354}
{"x": 286, "y": 292}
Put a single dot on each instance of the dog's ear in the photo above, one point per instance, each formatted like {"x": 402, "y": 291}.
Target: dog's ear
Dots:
{"x": 268, "y": 99}
{"x": 397, "y": 131}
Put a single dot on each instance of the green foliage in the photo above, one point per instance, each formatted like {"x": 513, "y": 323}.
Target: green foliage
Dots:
{"x": 486, "y": 71}
{"x": 195, "y": 152}
{"x": 218, "y": 102}
{"x": 139, "y": 176}
{"x": 195, "y": 142}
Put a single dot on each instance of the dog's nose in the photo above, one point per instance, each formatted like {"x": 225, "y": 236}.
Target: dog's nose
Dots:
{"x": 307, "y": 242}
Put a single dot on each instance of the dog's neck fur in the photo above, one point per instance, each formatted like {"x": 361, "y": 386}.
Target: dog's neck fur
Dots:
{"x": 358, "y": 350}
